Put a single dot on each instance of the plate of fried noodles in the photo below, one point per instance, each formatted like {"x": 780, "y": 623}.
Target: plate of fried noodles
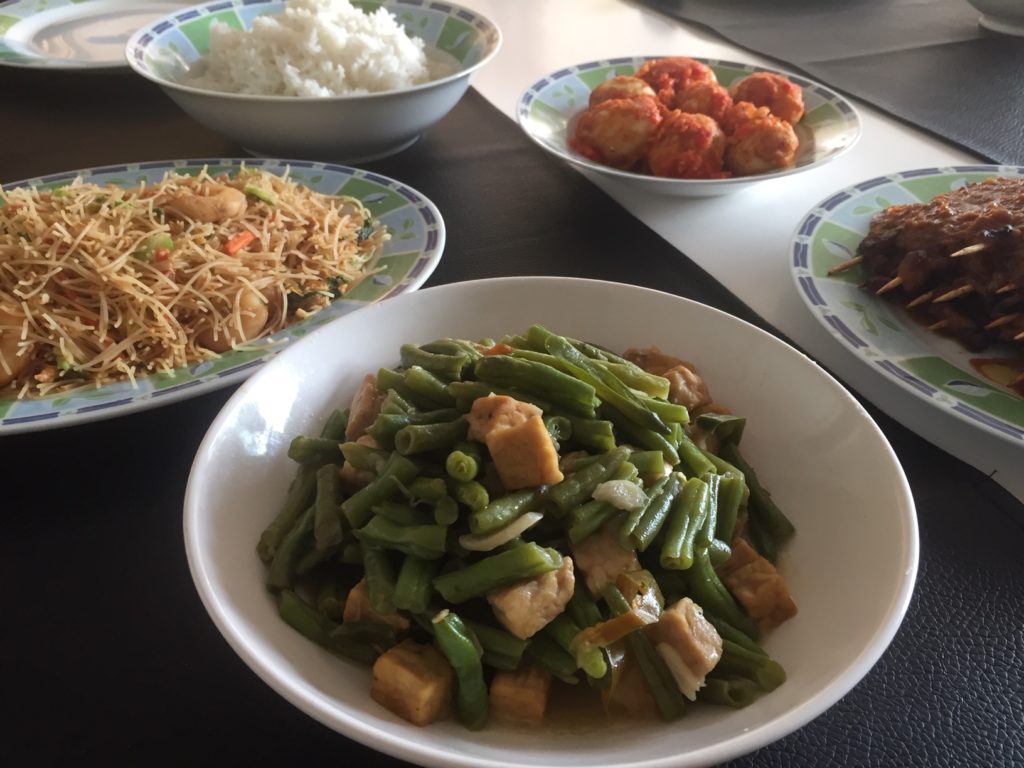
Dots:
{"x": 127, "y": 287}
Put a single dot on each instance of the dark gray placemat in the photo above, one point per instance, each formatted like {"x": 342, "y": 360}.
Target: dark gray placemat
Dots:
{"x": 924, "y": 61}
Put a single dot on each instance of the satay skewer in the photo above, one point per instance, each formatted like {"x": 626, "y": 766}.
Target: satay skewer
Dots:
{"x": 1001, "y": 321}
{"x": 1007, "y": 288}
{"x": 956, "y": 293}
{"x": 923, "y": 298}
{"x": 848, "y": 264}
{"x": 976, "y": 248}
{"x": 938, "y": 326}
{"x": 896, "y": 282}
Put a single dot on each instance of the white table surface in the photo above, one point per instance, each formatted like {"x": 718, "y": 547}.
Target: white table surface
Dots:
{"x": 741, "y": 239}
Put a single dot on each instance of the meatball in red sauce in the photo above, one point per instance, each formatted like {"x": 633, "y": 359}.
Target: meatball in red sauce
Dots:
{"x": 621, "y": 87}
{"x": 688, "y": 146}
{"x": 617, "y": 132}
{"x": 783, "y": 98}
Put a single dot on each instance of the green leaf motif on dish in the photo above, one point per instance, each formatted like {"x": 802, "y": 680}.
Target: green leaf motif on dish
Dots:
{"x": 594, "y": 77}
{"x": 927, "y": 187}
{"x": 940, "y": 373}
{"x": 378, "y": 199}
{"x": 457, "y": 38}
{"x": 5, "y": 406}
{"x": 823, "y": 113}
{"x": 198, "y": 31}
{"x": 6, "y": 22}
{"x": 831, "y": 245}
{"x": 392, "y": 268}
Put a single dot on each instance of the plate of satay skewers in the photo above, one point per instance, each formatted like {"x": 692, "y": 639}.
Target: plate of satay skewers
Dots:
{"x": 921, "y": 275}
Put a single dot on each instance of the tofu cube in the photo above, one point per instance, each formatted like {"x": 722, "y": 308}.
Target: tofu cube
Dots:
{"x": 414, "y": 681}
{"x": 521, "y": 695}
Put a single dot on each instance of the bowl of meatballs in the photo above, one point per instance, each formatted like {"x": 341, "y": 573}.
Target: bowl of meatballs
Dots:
{"x": 687, "y": 126}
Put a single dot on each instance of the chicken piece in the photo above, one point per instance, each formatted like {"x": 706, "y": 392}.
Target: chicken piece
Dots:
{"x": 671, "y": 75}
{"x": 527, "y": 607}
{"x": 617, "y": 132}
{"x": 414, "y": 681}
{"x": 358, "y": 608}
{"x": 515, "y": 435}
{"x": 705, "y": 98}
{"x": 252, "y": 317}
{"x": 365, "y": 407}
{"x": 783, "y": 98}
{"x": 689, "y": 644}
{"x": 687, "y": 146}
{"x": 602, "y": 558}
{"x": 757, "y": 586}
{"x": 760, "y": 146}
{"x": 213, "y": 203}
{"x": 521, "y": 695}
{"x": 620, "y": 87}
{"x": 686, "y": 387}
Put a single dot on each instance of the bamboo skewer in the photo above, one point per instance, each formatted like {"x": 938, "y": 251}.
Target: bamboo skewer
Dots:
{"x": 1019, "y": 336}
{"x": 968, "y": 250}
{"x": 848, "y": 264}
{"x": 938, "y": 326}
{"x": 924, "y": 297}
{"x": 956, "y": 293}
{"x": 1001, "y": 321}
{"x": 1007, "y": 288}
{"x": 896, "y": 282}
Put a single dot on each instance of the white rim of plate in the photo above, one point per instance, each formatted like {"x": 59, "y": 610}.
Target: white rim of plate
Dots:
{"x": 121, "y": 398}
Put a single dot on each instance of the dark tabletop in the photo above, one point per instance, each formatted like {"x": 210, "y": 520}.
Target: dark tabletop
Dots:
{"x": 108, "y": 655}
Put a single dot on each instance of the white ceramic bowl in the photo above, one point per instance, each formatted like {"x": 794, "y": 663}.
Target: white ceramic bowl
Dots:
{"x": 548, "y": 110}
{"x": 353, "y": 128}
{"x": 851, "y": 566}
{"x": 1005, "y": 16}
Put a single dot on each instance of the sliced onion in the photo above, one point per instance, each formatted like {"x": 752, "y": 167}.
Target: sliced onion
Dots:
{"x": 621, "y": 494}
{"x": 485, "y": 542}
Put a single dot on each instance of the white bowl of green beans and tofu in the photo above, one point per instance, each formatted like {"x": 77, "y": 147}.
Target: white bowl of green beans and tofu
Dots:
{"x": 639, "y": 524}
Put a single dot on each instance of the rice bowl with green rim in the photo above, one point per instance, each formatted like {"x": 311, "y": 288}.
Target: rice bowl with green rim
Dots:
{"x": 547, "y": 112}
{"x": 346, "y": 128}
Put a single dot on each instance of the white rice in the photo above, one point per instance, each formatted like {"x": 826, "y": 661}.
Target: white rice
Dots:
{"x": 315, "y": 48}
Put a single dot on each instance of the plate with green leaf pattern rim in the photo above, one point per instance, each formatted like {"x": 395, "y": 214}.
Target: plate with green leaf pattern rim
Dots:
{"x": 80, "y": 35}
{"x": 404, "y": 263}
{"x": 934, "y": 368}
{"x": 548, "y": 108}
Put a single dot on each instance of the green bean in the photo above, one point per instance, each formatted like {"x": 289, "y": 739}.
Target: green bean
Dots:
{"x": 473, "y": 495}
{"x": 301, "y": 493}
{"x": 654, "y": 514}
{"x": 669, "y": 412}
{"x": 728, "y": 632}
{"x": 578, "y": 486}
{"x": 380, "y": 579}
{"x": 334, "y": 427}
{"x": 447, "y": 366}
{"x": 588, "y": 518}
{"x": 548, "y": 654}
{"x": 662, "y": 685}
{"x": 706, "y": 534}
{"x": 503, "y": 510}
{"x": 465, "y": 392}
{"x": 761, "y": 504}
{"x": 313, "y": 557}
{"x": 428, "y": 386}
{"x": 648, "y": 463}
{"x": 760, "y": 538}
{"x": 687, "y": 518}
{"x": 314, "y": 450}
{"x": 589, "y": 658}
{"x": 461, "y": 466}
{"x": 395, "y": 403}
{"x": 502, "y": 650}
{"x": 364, "y": 457}
{"x": 420, "y": 438}
{"x": 426, "y": 541}
{"x": 453, "y": 347}
{"x": 718, "y": 552}
{"x": 564, "y": 391}
{"x": 693, "y": 457}
{"x": 736, "y": 693}
{"x": 415, "y": 584}
{"x": 559, "y": 427}
{"x": 760, "y": 668}
{"x": 428, "y": 489}
{"x": 461, "y": 649}
{"x": 402, "y": 513}
{"x": 446, "y": 511}
{"x": 635, "y": 377}
{"x": 606, "y": 385}
{"x": 730, "y": 494}
{"x": 351, "y": 553}
{"x": 708, "y": 591}
{"x": 387, "y": 425}
{"x": 726, "y": 427}
{"x": 295, "y": 544}
{"x": 596, "y": 434}
{"x": 497, "y": 571}
{"x": 643, "y": 438}
{"x": 332, "y": 593}
{"x": 632, "y": 519}
{"x": 305, "y": 619}
{"x": 582, "y": 608}
{"x": 389, "y": 379}
{"x": 385, "y": 487}
{"x": 327, "y": 518}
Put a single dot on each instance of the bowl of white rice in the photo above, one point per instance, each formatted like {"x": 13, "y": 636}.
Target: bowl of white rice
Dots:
{"x": 328, "y": 80}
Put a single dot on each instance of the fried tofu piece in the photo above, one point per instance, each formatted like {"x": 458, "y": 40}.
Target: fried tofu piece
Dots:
{"x": 686, "y": 387}
{"x": 521, "y": 695}
{"x": 689, "y": 644}
{"x": 757, "y": 586}
{"x": 602, "y": 558}
{"x": 365, "y": 407}
{"x": 515, "y": 435}
{"x": 528, "y": 606}
{"x": 414, "y": 681}
{"x": 358, "y": 608}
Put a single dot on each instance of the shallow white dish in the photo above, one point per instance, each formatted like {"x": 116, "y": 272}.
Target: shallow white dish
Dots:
{"x": 74, "y": 34}
{"x": 812, "y": 449}
{"x": 548, "y": 109}
{"x": 404, "y": 263}
{"x": 353, "y": 128}
{"x": 879, "y": 333}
